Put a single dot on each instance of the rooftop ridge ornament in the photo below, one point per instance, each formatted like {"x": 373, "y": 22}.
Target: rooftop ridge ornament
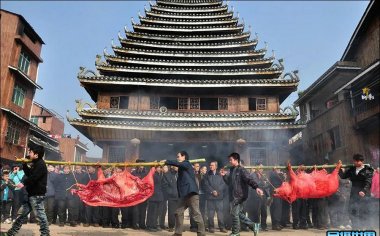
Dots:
{"x": 293, "y": 75}
{"x": 290, "y": 110}
{"x": 119, "y": 36}
{"x": 126, "y": 28}
{"x": 112, "y": 42}
{"x": 84, "y": 72}
{"x": 105, "y": 52}
{"x": 98, "y": 60}
{"x": 140, "y": 16}
{"x": 133, "y": 21}
{"x": 145, "y": 9}
{"x": 80, "y": 105}
{"x": 279, "y": 66}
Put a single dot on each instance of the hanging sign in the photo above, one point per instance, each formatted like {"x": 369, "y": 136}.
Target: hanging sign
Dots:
{"x": 366, "y": 94}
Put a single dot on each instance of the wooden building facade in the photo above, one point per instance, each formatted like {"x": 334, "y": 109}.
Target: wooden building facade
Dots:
{"x": 341, "y": 108}
{"x": 188, "y": 77}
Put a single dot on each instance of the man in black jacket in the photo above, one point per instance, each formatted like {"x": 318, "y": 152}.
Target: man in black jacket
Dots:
{"x": 35, "y": 181}
{"x": 214, "y": 188}
{"x": 361, "y": 178}
{"x": 171, "y": 179}
{"x": 238, "y": 181}
{"x": 188, "y": 194}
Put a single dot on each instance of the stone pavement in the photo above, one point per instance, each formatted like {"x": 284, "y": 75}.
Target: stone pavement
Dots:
{"x": 33, "y": 229}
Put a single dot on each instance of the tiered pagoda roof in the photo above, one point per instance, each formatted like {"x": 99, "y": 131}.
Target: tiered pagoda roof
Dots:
{"x": 182, "y": 44}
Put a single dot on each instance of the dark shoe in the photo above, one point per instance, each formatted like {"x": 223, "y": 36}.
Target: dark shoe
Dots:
{"x": 276, "y": 227}
{"x": 135, "y": 227}
{"x": 86, "y": 225}
{"x": 73, "y": 224}
{"x": 106, "y": 226}
{"x": 223, "y": 230}
{"x": 61, "y": 224}
{"x": 123, "y": 226}
{"x": 171, "y": 230}
{"x": 151, "y": 229}
{"x": 115, "y": 226}
{"x": 303, "y": 227}
{"x": 295, "y": 227}
{"x": 193, "y": 230}
{"x": 96, "y": 225}
{"x": 211, "y": 231}
{"x": 176, "y": 235}
{"x": 264, "y": 229}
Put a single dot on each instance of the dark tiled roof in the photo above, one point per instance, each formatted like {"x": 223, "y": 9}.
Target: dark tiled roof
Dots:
{"x": 184, "y": 126}
{"x": 170, "y": 115}
{"x": 188, "y": 82}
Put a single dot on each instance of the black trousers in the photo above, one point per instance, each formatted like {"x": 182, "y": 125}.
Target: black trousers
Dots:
{"x": 359, "y": 212}
{"x": 92, "y": 215}
{"x": 5, "y": 210}
{"x": 49, "y": 208}
{"x": 108, "y": 216}
{"x": 126, "y": 217}
{"x": 276, "y": 211}
{"x": 212, "y": 207}
{"x": 259, "y": 213}
{"x": 139, "y": 215}
{"x": 322, "y": 214}
{"x": 152, "y": 215}
{"x": 163, "y": 208}
{"x": 172, "y": 206}
{"x": 18, "y": 198}
{"x": 69, "y": 204}
{"x": 285, "y": 217}
{"x": 299, "y": 209}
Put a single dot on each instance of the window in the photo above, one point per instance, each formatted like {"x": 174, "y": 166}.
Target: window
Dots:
{"x": 209, "y": 103}
{"x": 114, "y": 102}
{"x": 24, "y": 62}
{"x": 334, "y": 136}
{"x": 332, "y": 102}
{"x": 252, "y": 104}
{"x": 123, "y": 102}
{"x": 154, "y": 102}
{"x": 169, "y": 102}
{"x": 34, "y": 119}
{"x": 116, "y": 154}
{"x": 194, "y": 103}
{"x": 44, "y": 119}
{"x": 18, "y": 95}
{"x": 261, "y": 104}
{"x": 257, "y": 104}
{"x": 223, "y": 104}
{"x": 183, "y": 103}
{"x": 257, "y": 156}
{"x": 13, "y": 133}
{"x": 318, "y": 145}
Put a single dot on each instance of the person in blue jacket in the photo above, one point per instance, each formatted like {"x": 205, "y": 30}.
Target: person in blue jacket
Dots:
{"x": 188, "y": 193}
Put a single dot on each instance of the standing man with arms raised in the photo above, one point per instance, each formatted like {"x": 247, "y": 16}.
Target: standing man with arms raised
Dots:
{"x": 188, "y": 194}
{"x": 35, "y": 181}
{"x": 238, "y": 182}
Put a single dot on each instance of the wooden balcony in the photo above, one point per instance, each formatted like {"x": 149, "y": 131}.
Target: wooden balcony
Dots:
{"x": 366, "y": 110}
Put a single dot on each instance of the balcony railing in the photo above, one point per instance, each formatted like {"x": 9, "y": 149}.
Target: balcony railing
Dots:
{"x": 366, "y": 110}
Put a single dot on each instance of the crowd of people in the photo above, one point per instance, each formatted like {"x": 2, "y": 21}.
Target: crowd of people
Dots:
{"x": 215, "y": 193}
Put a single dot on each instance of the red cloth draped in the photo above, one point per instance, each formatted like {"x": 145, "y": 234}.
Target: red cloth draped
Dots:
{"x": 375, "y": 188}
{"x": 120, "y": 190}
{"x": 318, "y": 184}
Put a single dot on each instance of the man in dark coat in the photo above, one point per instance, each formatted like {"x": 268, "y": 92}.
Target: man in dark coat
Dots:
{"x": 188, "y": 194}
{"x": 155, "y": 201}
{"x": 361, "y": 178}
{"x": 139, "y": 211}
{"x": 238, "y": 181}
{"x": 214, "y": 188}
{"x": 171, "y": 179}
{"x": 92, "y": 213}
{"x": 276, "y": 178}
{"x": 35, "y": 182}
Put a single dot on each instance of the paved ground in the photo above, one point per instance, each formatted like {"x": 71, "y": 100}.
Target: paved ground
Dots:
{"x": 33, "y": 229}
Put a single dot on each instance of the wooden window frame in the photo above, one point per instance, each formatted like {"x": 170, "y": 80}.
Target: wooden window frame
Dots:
{"x": 24, "y": 62}
{"x": 19, "y": 94}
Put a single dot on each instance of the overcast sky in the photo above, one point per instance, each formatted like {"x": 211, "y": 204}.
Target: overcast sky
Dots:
{"x": 310, "y": 36}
